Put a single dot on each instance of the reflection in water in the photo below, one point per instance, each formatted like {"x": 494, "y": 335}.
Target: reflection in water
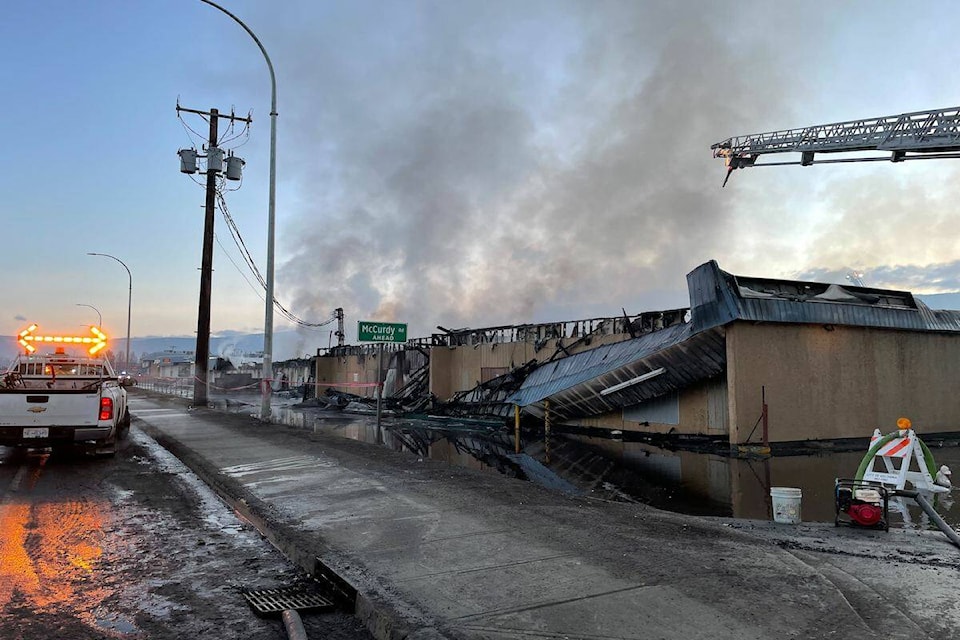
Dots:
{"x": 49, "y": 551}
{"x": 456, "y": 444}
{"x": 684, "y": 481}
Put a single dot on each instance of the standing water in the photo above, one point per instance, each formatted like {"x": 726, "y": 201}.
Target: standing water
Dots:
{"x": 692, "y": 482}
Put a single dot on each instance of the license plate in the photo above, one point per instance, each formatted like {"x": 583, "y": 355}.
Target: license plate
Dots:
{"x": 36, "y": 432}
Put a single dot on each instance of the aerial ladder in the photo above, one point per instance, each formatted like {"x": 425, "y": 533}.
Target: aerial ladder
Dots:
{"x": 921, "y": 135}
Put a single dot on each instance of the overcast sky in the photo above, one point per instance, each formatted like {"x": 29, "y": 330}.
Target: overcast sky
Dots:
{"x": 458, "y": 163}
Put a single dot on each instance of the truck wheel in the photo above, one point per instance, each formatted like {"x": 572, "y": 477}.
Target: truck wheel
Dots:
{"x": 123, "y": 428}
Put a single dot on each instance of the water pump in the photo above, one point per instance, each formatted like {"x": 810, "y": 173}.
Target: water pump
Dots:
{"x": 861, "y": 504}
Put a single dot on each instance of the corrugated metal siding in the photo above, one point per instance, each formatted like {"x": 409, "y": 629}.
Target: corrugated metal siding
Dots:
{"x": 939, "y": 320}
{"x": 573, "y": 384}
{"x": 697, "y": 358}
{"x": 712, "y": 302}
{"x": 567, "y": 372}
{"x": 715, "y": 300}
{"x": 789, "y": 311}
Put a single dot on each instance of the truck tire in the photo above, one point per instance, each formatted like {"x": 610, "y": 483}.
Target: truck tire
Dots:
{"x": 123, "y": 428}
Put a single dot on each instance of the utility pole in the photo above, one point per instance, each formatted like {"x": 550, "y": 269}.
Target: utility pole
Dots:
{"x": 214, "y": 167}
{"x": 340, "y": 334}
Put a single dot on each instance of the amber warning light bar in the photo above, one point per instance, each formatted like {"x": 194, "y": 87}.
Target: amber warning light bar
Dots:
{"x": 28, "y": 339}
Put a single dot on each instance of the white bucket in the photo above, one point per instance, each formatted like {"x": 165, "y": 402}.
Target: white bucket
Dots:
{"x": 786, "y": 504}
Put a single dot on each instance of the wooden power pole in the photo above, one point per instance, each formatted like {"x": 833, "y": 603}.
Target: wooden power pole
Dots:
{"x": 214, "y": 168}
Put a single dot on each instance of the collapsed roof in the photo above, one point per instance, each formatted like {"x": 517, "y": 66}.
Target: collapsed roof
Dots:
{"x": 627, "y": 373}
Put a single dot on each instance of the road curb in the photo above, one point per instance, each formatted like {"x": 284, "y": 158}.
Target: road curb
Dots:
{"x": 375, "y": 613}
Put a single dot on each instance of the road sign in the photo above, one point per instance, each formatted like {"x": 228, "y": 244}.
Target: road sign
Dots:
{"x": 368, "y": 331}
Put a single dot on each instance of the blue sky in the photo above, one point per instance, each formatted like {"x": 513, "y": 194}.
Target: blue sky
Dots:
{"x": 458, "y": 163}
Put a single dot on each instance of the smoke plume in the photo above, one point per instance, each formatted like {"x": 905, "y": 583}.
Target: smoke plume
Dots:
{"x": 477, "y": 164}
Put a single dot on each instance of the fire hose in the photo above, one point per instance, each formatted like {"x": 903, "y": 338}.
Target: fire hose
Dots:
{"x": 930, "y": 511}
{"x": 293, "y": 625}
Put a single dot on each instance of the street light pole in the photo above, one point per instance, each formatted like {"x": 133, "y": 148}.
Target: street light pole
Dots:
{"x": 99, "y": 315}
{"x": 268, "y": 311}
{"x": 126, "y": 359}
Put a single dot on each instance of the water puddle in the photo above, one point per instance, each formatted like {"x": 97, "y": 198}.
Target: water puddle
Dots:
{"x": 117, "y": 625}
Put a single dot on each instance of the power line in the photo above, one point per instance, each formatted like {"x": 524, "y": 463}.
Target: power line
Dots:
{"x": 252, "y": 266}
{"x": 190, "y": 130}
{"x": 216, "y": 180}
{"x": 244, "y": 133}
{"x": 237, "y": 267}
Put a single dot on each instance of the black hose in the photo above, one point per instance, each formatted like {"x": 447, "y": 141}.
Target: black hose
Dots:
{"x": 930, "y": 511}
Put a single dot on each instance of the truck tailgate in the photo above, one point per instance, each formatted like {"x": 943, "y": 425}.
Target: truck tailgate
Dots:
{"x": 52, "y": 408}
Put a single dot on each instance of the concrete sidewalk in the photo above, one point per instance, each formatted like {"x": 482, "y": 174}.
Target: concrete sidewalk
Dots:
{"x": 438, "y": 551}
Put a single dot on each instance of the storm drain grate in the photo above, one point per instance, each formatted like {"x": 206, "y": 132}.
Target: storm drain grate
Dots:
{"x": 267, "y": 601}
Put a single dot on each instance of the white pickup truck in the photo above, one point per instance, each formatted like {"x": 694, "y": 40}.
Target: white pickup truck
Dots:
{"x": 58, "y": 400}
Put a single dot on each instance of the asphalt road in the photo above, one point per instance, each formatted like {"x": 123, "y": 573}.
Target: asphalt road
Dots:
{"x": 132, "y": 547}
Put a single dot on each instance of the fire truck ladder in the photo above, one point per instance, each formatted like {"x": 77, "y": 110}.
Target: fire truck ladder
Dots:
{"x": 932, "y": 134}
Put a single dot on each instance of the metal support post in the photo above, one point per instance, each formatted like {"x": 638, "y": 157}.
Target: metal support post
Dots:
{"x": 765, "y": 415}
{"x": 546, "y": 430}
{"x": 265, "y": 413}
{"x": 379, "y": 385}
{"x": 129, "y": 301}
{"x": 516, "y": 428}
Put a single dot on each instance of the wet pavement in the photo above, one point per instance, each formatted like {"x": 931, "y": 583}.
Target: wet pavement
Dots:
{"x": 131, "y": 547}
{"x": 435, "y": 549}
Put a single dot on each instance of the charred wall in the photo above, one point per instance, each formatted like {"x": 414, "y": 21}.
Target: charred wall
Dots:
{"x": 459, "y": 368}
{"x": 347, "y": 372}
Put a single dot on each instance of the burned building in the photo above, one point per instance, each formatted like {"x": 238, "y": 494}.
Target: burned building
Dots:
{"x": 751, "y": 359}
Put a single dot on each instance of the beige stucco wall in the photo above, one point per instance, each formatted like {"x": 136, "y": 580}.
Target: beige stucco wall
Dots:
{"x": 840, "y": 382}
{"x": 702, "y": 410}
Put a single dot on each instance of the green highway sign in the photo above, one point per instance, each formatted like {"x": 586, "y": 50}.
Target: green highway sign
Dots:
{"x": 368, "y": 331}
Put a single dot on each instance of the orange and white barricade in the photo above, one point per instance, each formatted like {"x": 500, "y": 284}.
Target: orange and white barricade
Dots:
{"x": 898, "y": 455}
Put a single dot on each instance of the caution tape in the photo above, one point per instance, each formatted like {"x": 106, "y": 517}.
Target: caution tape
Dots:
{"x": 352, "y": 385}
{"x": 259, "y": 383}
